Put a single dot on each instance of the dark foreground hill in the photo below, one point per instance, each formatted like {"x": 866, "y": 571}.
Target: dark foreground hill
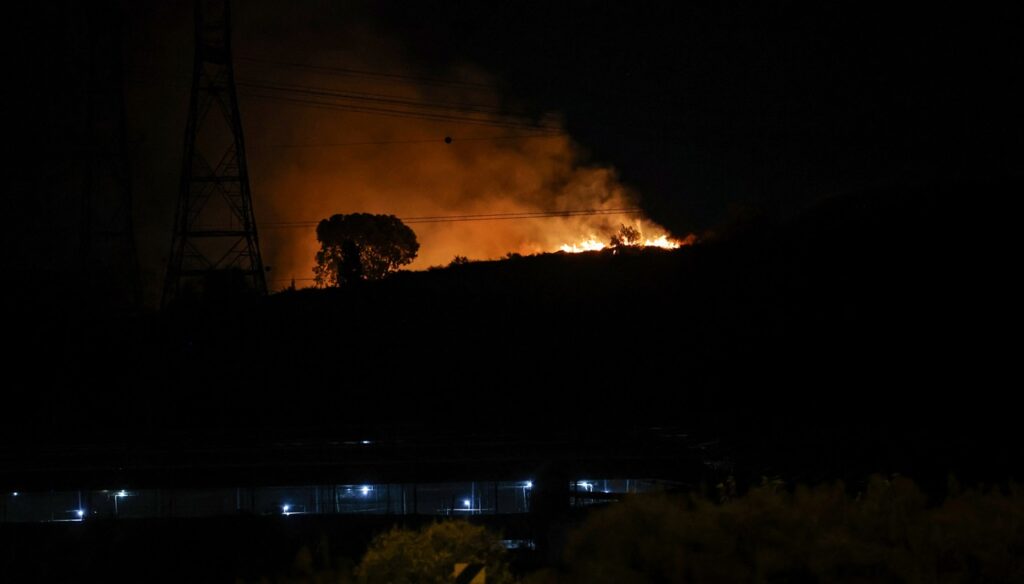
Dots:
{"x": 861, "y": 333}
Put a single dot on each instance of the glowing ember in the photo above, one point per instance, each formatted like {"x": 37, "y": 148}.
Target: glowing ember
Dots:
{"x": 662, "y": 241}
{"x": 585, "y": 245}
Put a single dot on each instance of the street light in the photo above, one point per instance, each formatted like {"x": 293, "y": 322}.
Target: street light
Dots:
{"x": 528, "y": 485}
{"x": 118, "y": 495}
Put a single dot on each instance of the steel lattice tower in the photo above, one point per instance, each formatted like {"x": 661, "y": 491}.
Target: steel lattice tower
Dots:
{"x": 215, "y": 241}
{"x": 108, "y": 250}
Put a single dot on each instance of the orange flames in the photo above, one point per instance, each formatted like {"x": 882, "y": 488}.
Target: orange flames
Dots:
{"x": 662, "y": 241}
{"x": 309, "y": 163}
{"x": 590, "y": 244}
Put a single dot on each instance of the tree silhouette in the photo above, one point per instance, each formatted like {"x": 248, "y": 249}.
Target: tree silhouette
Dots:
{"x": 888, "y": 532}
{"x": 428, "y": 556}
{"x": 626, "y": 236}
{"x": 361, "y": 246}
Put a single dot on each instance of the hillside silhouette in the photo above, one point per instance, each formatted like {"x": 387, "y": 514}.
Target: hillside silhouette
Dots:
{"x": 852, "y": 337}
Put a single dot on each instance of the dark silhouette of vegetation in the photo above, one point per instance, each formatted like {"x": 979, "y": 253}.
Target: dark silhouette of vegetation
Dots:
{"x": 887, "y": 533}
{"x": 428, "y": 556}
{"x": 361, "y": 246}
{"x": 315, "y": 565}
{"x": 626, "y": 236}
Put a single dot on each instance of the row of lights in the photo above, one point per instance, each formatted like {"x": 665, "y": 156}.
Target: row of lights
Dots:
{"x": 365, "y": 490}
{"x": 121, "y": 493}
{"x": 80, "y": 513}
{"x": 468, "y": 504}
{"x": 286, "y": 509}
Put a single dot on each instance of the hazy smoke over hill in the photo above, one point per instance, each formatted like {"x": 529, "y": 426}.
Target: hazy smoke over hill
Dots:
{"x": 403, "y": 166}
{"x": 350, "y": 123}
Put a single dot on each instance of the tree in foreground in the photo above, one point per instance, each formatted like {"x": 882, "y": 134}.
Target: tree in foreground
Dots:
{"x": 429, "y": 555}
{"x": 887, "y": 533}
{"x": 361, "y": 246}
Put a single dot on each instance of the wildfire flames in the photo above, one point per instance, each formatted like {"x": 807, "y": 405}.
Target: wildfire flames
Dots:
{"x": 661, "y": 241}
{"x": 585, "y": 245}
{"x": 465, "y": 176}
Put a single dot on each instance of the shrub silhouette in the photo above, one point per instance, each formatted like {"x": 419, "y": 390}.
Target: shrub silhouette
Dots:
{"x": 888, "y": 533}
{"x": 428, "y": 556}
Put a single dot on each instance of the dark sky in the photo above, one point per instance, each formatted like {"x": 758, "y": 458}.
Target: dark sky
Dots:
{"x": 702, "y": 109}
{"x": 705, "y": 105}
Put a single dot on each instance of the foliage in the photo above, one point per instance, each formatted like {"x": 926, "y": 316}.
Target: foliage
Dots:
{"x": 428, "y": 556}
{"x": 361, "y": 246}
{"x": 625, "y": 236}
{"x": 316, "y": 565}
{"x": 459, "y": 261}
{"x": 886, "y": 534}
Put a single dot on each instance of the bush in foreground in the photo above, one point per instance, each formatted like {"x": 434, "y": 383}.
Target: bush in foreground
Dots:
{"x": 427, "y": 556}
{"x": 888, "y": 533}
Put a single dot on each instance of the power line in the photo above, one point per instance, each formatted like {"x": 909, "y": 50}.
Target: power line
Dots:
{"x": 523, "y": 214}
{"x": 337, "y": 94}
{"x": 371, "y": 97}
{"x": 402, "y": 113}
{"x": 421, "y": 141}
{"x": 381, "y": 105}
{"x": 395, "y": 77}
{"x": 546, "y": 131}
{"x": 394, "y": 104}
{"x": 479, "y": 217}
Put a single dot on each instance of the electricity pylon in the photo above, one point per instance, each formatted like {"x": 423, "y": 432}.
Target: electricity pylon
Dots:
{"x": 107, "y": 244}
{"x": 215, "y": 242}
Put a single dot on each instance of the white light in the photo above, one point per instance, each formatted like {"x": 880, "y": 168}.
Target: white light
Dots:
{"x": 285, "y": 508}
{"x": 122, "y": 493}
{"x": 466, "y": 503}
{"x": 366, "y": 441}
{"x": 14, "y": 494}
{"x": 365, "y": 490}
{"x": 529, "y": 484}
{"x": 80, "y": 513}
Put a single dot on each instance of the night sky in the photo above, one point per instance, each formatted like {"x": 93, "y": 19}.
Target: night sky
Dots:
{"x": 699, "y": 114}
